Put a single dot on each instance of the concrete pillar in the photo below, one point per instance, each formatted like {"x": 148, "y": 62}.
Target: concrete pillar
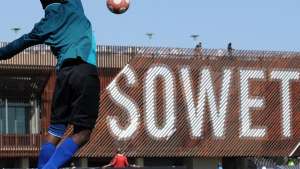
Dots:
{"x": 139, "y": 162}
{"x": 201, "y": 163}
{"x": 83, "y": 162}
{"x": 34, "y": 121}
{"x": 24, "y": 163}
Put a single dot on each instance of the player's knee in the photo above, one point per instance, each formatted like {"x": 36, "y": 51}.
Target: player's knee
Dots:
{"x": 81, "y": 135}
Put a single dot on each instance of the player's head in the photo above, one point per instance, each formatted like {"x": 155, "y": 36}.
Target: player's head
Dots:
{"x": 119, "y": 151}
{"x": 45, "y": 3}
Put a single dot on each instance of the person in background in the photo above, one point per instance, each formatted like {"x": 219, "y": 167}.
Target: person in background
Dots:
{"x": 119, "y": 161}
{"x": 230, "y": 49}
{"x": 198, "y": 49}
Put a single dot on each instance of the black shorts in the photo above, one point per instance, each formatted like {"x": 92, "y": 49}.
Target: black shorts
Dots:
{"x": 76, "y": 96}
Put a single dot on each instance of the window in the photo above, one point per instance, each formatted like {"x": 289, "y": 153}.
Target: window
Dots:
{"x": 15, "y": 117}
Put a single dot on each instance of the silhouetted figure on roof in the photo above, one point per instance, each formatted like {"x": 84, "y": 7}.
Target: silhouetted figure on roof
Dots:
{"x": 198, "y": 49}
{"x": 199, "y": 45}
{"x": 229, "y": 49}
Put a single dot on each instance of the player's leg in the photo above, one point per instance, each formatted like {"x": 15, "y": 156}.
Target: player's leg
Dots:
{"x": 59, "y": 117}
{"x": 86, "y": 105}
{"x": 65, "y": 151}
{"x": 81, "y": 135}
{"x": 84, "y": 110}
{"x": 53, "y": 137}
{"x": 47, "y": 149}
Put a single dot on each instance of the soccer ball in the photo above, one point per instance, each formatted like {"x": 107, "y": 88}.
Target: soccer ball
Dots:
{"x": 118, "y": 6}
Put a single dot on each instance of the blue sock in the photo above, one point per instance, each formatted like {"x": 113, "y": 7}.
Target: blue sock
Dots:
{"x": 62, "y": 154}
{"x": 46, "y": 152}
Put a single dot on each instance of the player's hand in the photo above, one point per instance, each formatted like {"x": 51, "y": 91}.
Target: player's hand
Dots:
{"x": 1, "y": 54}
{"x": 4, "y": 54}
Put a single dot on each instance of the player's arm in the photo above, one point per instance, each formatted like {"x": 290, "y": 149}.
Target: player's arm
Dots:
{"x": 108, "y": 165}
{"x": 17, "y": 46}
{"x": 38, "y": 35}
{"x": 113, "y": 161}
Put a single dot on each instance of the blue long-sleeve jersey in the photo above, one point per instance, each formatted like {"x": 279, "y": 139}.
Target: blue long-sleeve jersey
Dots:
{"x": 65, "y": 28}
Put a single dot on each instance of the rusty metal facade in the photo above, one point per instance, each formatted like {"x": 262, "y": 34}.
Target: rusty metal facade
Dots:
{"x": 181, "y": 144}
{"x": 112, "y": 59}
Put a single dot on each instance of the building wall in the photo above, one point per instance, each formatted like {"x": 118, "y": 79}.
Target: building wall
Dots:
{"x": 117, "y": 57}
{"x": 158, "y": 107}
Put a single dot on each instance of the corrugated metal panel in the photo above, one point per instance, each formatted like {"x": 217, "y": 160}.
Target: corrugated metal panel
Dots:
{"x": 106, "y": 75}
{"x": 181, "y": 144}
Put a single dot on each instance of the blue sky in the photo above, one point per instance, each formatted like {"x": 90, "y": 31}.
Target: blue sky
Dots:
{"x": 248, "y": 24}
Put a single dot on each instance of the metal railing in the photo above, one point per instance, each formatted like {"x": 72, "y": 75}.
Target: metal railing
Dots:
{"x": 118, "y": 56}
{"x": 12, "y": 140}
